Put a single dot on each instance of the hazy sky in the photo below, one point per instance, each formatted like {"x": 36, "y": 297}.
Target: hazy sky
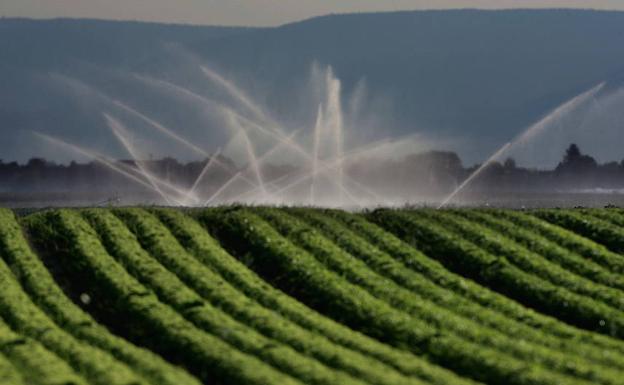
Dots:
{"x": 256, "y": 12}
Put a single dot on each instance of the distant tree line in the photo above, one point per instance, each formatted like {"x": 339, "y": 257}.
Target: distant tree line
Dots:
{"x": 437, "y": 172}
{"x": 424, "y": 174}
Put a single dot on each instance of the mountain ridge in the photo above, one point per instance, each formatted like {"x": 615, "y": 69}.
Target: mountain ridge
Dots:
{"x": 450, "y": 73}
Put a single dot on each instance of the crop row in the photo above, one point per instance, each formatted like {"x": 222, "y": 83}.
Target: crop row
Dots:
{"x": 588, "y": 249}
{"x": 145, "y": 318}
{"x": 416, "y": 260}
{"x": 604, "y": 302}
{"x": 37, "y": 281}
{"x": 35, "y": 363}
{"x": 531, "y": 237}
{"x": 26, "y": 318}
{"x": 489, "y": 317}
{"x": 9, "y": 373}
{"x": 205, "y": 287}
{"x": 265, "y": 319}
{"x": 602, "y": 297}
{"x": 137, "y": 271}
{"x": 116, "y": 294}
{"x": 496, "y": 271}
{"x": 209, "y": 252}
{"x": 440, "y": 337}
{"x": 242, "y": 295}
{"x": 443, "y": 318}
{"x": 595, "y": 228}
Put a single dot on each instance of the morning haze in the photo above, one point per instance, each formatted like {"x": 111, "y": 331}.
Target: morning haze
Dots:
{"x": 255, "y": 12}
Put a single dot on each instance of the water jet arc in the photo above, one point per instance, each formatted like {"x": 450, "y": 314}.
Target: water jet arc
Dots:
{"x": 532, "y": 130}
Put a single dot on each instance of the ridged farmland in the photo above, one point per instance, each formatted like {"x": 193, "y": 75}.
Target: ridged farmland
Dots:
{"x": 286, "y": 296}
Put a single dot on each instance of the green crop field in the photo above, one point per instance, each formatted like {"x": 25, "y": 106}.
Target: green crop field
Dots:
{"x": 242, "y": 295}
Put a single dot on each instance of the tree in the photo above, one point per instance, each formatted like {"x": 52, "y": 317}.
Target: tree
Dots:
{"x": 510, "y": 164}
{"x": 575, "y": 162}
{"x": 36, "y": 163}
{"x": 573, "y": 153}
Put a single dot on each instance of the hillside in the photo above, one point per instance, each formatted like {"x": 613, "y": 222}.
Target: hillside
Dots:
{"x": 243, "y": 295}
{"x": 477, "y": 77}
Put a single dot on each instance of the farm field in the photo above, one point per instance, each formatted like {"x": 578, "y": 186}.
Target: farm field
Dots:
{"x": 263, "y": 295}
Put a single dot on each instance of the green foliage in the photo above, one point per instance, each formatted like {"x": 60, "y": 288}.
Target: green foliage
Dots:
{"x": 466, "y": 257}
{"x": 25, "y": 317}
{"x": 166, "y": 280}
{"x": 351, "y": 302}
{"x": 534, "y": 240}
{"x": 42, "y": 288}
{"x": 458, "y": 304}
{"x": 588, "y": 249}
{"x": 9, "y": 374}
{"x": 346, "y": 342}
{"x": 244, "y": 295}
{"x": 163, "y": 328}
{"x": 587, "y": 225}
{"x": 462, "y": 331}
{"x": 600, "y": 300}
{"x": 37, "y": 364}
{"x": 415, "y": 260}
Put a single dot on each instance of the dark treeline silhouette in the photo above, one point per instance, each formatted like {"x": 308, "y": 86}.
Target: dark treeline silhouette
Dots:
{"x": 417, "y": 175}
